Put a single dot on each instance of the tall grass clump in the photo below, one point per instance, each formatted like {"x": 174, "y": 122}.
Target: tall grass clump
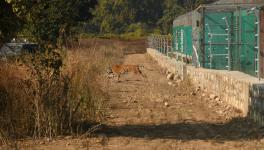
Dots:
{"x": 51, "y": 93}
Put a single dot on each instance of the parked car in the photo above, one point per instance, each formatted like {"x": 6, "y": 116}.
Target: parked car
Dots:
{"x": 15, "y": 49}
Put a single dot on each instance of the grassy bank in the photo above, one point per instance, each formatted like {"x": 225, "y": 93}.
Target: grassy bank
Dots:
{"x": 40, "y": 100}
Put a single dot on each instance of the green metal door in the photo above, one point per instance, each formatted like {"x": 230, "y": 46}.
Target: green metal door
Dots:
{"x": 182, "y": 39}
{"x": 216, "y": 39}
{"x": 248, "y": 51}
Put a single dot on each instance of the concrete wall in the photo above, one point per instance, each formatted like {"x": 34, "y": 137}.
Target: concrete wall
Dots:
{"x": 165, "y": 62}
{"x": 228, "y": 86}
{"x": 237, "y": 89}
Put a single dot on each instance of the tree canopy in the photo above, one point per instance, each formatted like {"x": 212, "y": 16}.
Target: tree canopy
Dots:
{"x": 115, "y": 16}
{"x": 48, "y": 20}
{"x": 9, "y": 22}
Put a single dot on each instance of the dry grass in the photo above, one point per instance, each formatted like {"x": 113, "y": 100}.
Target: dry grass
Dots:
{"x": 37, "y": 100}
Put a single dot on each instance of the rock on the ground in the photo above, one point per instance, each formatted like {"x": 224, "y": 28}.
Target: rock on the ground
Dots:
{"x": 212, "y": 96}
{"x": 170, "y": 83}
{"x": 198, "y": 89}
{"x": 193, "y": 93}
{"x": 168, "y": 72}
{"x": 166, "y": 104}
{"x": 170, "y": 76}
{"x": 176, "y": 77}
{"x": 217, "y": 98}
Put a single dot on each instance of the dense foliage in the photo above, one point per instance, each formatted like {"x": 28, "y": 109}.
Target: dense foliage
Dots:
{"x": 117, "y": 16}
{"x": 46, "y": 20}
{"x": 9, "y": 22}
{"x": 50, "y": 20}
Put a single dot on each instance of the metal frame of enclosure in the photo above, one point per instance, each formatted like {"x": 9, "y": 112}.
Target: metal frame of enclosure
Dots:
{"x": 222, "y": 36}
{"x": 162, "y": 43}
{"x": 229, "y": 37}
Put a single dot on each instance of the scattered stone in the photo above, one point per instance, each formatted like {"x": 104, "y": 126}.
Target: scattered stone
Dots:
{"x": 203, "y": 95}
{"x": 168, "y": 72}
{"x": 217, "y": 99}
{"x": 220, "y": 112}
{"x": 212, "y": 96}
{"x": 170, "y": 83}
{"x": 177, "y": 77}
{"x": 135, "y": 101}
{"x": 166, "y": 104}
{"x": 170, "y": 76}
{"x": 198, "y": 89}
{"x": 193, "y": 93}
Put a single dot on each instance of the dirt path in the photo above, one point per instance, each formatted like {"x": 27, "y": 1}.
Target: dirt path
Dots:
{"x": 139, "y": 118}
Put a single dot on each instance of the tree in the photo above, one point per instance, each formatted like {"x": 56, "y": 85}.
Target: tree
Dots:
{"x": 171, "y": 10}
{"x": 113, "y": 16}
{"x": 189, "y": 5}
{"x": 48, "y": 21}
{"x": 175, "y": 8}
{"x": 9, "y": 22}
{"x": 148, "y": 12}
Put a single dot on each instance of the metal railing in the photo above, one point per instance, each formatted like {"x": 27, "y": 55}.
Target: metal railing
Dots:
{"x": 161, "y": 43}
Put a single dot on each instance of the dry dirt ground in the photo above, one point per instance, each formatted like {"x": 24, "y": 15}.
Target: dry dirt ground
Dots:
{"x": 139, "y": 119}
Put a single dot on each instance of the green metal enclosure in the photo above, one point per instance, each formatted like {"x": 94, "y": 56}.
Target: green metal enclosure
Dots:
{"x": 182, "y": 40}
{"x": 182, "y": 35}
{"x": 230, "y": 40}
{"x": 222, "y": 36}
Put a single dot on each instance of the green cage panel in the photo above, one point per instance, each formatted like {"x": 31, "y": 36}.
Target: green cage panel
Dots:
{"x": 248, "y": 53}
{"x": 216, "y": 39}
{"x": 182, "y": 40}
{"x": 223, "y": 36}
{"x": 262, "y": 43}
{"x": 230, "y": 41}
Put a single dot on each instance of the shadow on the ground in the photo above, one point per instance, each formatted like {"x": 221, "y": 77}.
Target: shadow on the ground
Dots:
{"x": 236, "y": 129}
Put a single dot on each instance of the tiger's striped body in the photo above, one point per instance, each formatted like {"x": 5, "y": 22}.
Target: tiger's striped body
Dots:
{"x": 118, "y": 70}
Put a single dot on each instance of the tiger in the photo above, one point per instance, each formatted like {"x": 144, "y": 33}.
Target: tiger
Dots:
{"x": 119, "y": 69}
